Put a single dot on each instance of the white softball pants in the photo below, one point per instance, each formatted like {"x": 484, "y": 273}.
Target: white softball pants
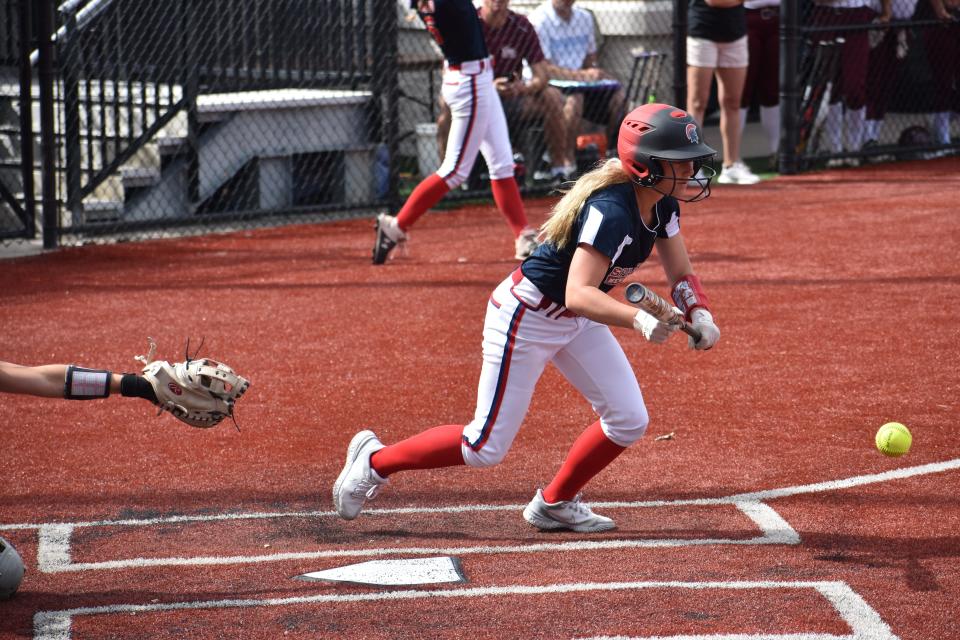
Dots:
{"x": 522, "y": 332}
{"x": 477, "y": 124}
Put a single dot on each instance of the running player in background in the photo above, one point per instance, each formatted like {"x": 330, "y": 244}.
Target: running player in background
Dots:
{"x": 478, "y": 126}
{"x": 512, "y": 41}
{"x": 554, "y": 308}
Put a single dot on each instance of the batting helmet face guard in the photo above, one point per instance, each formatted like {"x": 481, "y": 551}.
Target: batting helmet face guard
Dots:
{"x": 653, "y": 139}
{"x": 11, "y": 570}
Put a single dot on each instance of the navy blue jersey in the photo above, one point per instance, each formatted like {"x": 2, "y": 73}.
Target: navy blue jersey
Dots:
{"x": 455, "y": 26}
{"x": 610, "y": 222}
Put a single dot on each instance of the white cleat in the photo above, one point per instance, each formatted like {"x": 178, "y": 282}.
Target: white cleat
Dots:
{"x": 358, "y": 482}
{"x": 571, "y": 514}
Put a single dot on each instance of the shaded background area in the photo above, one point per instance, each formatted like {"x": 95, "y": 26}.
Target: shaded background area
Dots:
{"x": 836, "y": 295}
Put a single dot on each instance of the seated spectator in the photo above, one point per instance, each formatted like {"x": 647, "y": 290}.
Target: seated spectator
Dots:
{"x": 511, "y": 40}
{"x": 567, "y": 37}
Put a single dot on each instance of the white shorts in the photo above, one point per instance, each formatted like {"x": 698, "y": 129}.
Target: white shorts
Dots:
{"x": 714, "y": 55}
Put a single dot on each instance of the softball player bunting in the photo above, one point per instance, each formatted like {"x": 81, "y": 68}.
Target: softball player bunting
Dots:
{"x": 555, "y": 309}
{"x": 478, "y": 125}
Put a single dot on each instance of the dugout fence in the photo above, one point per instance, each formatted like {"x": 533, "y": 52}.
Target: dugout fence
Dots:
{"x": 127, "y": 119}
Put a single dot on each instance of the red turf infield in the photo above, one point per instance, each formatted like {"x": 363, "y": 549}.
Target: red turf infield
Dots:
{"x": 837, "y": 297}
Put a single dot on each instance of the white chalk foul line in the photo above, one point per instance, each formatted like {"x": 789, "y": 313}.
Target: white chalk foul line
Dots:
{"x": 757, "y": 496}
{"x": 54, "y": 548}
{"x": 864, "y": 622}
{"x": 53, "y": 552}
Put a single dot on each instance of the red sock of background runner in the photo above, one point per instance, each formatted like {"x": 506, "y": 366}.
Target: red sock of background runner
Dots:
{"x": 426, "y": 194}
{"x": 588, "y": 456}
{"x": 507, "y": 196}
{"x": 432, "y": 449}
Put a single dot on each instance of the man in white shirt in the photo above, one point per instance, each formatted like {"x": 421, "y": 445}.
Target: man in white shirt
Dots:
{"x": 567, "y": 37}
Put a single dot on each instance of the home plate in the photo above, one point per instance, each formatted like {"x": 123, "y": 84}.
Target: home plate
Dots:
{"x": 405, "y": 572}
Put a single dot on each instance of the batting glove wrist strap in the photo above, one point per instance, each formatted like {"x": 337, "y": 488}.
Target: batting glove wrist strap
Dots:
{"x": 688, "y": 294}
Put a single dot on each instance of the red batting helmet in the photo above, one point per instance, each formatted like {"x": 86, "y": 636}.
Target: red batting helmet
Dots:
{"x": 654, "y": 135}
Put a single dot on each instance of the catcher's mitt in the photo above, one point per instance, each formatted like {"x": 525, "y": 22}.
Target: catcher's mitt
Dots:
{"x": 200, "y": 392}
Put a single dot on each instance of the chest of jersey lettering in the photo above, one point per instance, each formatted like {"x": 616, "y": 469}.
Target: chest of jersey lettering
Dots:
{"x": 612, "y": 224}
{"x": 632, "y": 256}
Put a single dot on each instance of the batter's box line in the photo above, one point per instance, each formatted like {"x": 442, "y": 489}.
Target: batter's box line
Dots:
{"x": 54, "y": 547}
{"x": 54, "y": 539}
{"x": 864, "y": 622}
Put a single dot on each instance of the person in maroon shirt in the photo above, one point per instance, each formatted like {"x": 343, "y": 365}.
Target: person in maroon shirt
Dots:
{"x": 511, "y": 39}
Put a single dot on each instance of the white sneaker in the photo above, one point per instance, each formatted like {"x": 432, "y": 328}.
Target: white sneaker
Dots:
{"x": 697, "y": 181}
{"x": 389, "y": 235}
{"x": 526, "y": 244}
{"x": 572, "y": 514}
{"x": 738, "y": 173}
{"x": 358, "y": 482}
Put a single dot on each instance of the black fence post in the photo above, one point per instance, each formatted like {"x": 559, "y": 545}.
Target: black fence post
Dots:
{"x": 51, "y": 218}
{"x": 191, "y": 90}
{"x": 789, "y": 87}
{"x": 70, "y": 62}
{"x": 386, "y": 88}
{"x": 680, "y": 10}
{"x": 26, "y": 119}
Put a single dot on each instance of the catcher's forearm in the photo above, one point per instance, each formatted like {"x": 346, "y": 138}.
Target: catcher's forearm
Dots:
{"x": 643, "y": 298}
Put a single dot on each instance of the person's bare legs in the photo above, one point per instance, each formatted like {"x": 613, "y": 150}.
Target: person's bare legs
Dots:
{"x": 699, "y": 80}
{"x": 572, "y": 113}
{"x": 729, "y": 92}
{"x": 548, "y": 105}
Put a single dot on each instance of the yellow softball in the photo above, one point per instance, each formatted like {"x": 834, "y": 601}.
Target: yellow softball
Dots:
{"x": 893, "y": 439}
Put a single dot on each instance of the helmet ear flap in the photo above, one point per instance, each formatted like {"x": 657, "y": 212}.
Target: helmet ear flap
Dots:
{"x": 651, "y": 172}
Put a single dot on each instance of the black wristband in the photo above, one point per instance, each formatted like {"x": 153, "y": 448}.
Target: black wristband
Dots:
{"x": 134, "y": 386}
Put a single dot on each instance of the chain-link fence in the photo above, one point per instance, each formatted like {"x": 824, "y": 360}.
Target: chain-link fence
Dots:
{"x": 877, "y": 81}
{"x": 197, "y": 114}
{"x": 175, "y": 116}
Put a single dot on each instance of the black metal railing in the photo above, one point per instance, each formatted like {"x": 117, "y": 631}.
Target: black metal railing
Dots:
{"x": 167, "y": 114}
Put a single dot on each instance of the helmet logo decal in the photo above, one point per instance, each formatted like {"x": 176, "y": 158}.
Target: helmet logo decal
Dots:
{"x": 692, "y": 134}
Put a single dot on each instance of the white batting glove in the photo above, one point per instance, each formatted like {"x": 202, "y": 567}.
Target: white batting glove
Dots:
{"x": 652, "y": 329}
{"x": 702, "y": 320}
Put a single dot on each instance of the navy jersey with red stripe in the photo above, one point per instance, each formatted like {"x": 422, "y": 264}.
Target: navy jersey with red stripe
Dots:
{"x": 610, "y": 222}
{"x": 455, "y": 26}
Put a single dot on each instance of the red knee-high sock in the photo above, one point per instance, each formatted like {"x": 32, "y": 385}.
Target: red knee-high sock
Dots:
{"x": 432, "y": 449}
{"x": 588, "y": 456}
{"x": 507, "y": 196}
{"x": 426, "y": 194}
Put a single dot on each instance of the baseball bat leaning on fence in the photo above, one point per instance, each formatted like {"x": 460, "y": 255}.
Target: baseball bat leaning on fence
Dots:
{"x": 819, "y": 74}
{"x": 647, "y": 300}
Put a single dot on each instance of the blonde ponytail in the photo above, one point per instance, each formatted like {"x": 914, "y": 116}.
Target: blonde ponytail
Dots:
{"x": 557, "y": 229}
